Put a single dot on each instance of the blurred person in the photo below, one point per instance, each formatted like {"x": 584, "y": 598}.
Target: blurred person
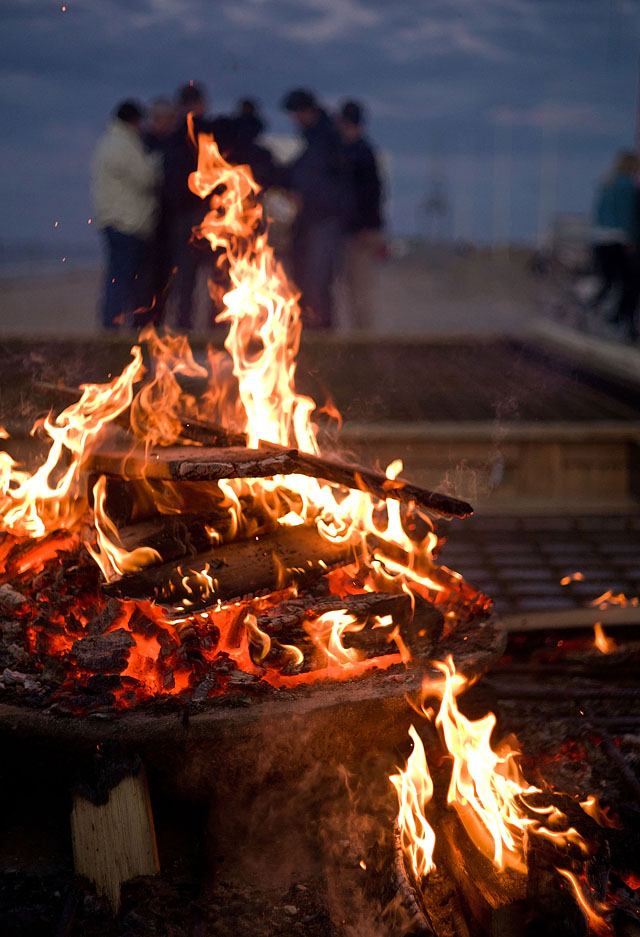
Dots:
{"x": 125, "y": 179}
{"x": 319, "y": 181}
{"x": 246, "y": 150}
{"x": 157, "y": 137}
{"x": 364, "y": 245}
{"x": 616, "y": 240}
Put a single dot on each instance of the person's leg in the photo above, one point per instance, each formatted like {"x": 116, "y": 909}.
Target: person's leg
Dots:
{"x": 602, "y": 263}
{"x": 118, "y": 278}
{"x": 185, "y": 258}
{"x": 360, "y": 277}
{"x": 628, "y": 305}
{"x": 319, "y": 266}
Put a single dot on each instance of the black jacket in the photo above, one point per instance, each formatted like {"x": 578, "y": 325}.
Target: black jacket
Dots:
{"x": 320, "y": 175}
{"x": 367, "y": 187}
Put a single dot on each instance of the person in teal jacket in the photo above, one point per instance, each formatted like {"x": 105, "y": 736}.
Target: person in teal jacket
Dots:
{"x": 616, "y": 239}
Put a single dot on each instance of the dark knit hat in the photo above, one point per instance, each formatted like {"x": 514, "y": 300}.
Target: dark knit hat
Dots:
{"x": 298, "y": 100}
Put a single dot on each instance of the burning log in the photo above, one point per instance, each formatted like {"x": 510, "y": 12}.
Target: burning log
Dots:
{"x": 179, "y": 535}
{"x": 333, "y": 470}
{"x": 113, "y": 835}
{"x": 234, "y": 570}
{"x": 184, "y": 463}
{"x": 420, "y": 622}
{"x": 206, "y": 464}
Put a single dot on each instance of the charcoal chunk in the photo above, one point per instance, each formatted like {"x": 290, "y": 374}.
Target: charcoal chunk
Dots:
{"x": 104, "y": 653}
{"x": 10, "y": 598}
{"x": 105, "y": 618}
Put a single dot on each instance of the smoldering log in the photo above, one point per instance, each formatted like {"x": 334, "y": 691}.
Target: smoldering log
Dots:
{"x": 420, "y": 622}
{"x": 243, "y": 567}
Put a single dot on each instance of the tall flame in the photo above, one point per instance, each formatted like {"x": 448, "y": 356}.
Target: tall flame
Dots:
{"x": 414, "y": 788}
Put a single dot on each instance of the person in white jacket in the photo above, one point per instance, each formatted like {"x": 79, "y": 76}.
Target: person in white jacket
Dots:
{"x": 125, "y": 193}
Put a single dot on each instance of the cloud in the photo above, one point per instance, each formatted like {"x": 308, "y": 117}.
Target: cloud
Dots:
{"x": 557, "y": 116}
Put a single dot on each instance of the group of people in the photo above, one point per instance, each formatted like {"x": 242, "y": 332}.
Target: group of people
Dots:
{"x": 147, "y": 212}
{"x": 616, "y": 242}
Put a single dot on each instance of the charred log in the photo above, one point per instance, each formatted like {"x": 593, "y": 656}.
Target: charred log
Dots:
{"x": 234, "y": 570}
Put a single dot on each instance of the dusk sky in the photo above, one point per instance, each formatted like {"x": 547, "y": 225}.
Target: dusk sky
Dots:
{"x": 493, "y": 94}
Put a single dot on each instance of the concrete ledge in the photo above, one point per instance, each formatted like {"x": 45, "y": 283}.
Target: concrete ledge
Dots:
{"x": 590, "y": 351}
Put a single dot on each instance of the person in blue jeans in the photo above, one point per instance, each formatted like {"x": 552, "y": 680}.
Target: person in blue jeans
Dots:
{"x": 125, "y": 193}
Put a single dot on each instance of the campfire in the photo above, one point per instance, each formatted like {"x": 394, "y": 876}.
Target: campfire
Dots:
{"x": 192, "y": 536}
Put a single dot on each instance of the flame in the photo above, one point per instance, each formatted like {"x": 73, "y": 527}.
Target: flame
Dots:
{"x": 487, "y": 788}
{"x": 110, "y": 555}
{"x": 597, "y": 923}
{"x": 572, "y": 577}
{"x": 34, "y": 504}
{"x": 604, "y": 644}
{"x": 414, "y": 788}
{"x": 602, "y": 815}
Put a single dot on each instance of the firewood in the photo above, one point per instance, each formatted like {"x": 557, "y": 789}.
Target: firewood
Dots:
{"x": 342, "y": 473}
{"x": 495, "y": 899}
{"x": 178, "y": 535}
{"x": 186, "y": 463}
{"x": 115, "y": 841}
{"x": 244, "y": 567}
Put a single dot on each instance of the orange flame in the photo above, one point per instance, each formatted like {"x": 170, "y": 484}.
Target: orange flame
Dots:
{"x": 414, "y": 788}
{"x": 605, "y": 644}
{"x": 487, "y": 788}
{"x": 597, "y": 923}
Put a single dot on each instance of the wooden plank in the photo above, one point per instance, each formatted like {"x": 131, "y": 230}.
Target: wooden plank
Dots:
{"x": 116, "y": 841}
{"x": 237, "y": 569}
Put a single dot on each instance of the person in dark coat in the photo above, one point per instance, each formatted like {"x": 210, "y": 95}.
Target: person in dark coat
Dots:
{"x": 616, "y": 240}
{"x": 246, "y": 150}
{"x": 318, "y": 179}
{"x": 364, "y": 243}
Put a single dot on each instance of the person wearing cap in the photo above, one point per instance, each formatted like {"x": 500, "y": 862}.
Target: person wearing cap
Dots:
{"x": 124, "y": 187}
{"x": 364, "y": 242}
{"x": 319, "y": 182}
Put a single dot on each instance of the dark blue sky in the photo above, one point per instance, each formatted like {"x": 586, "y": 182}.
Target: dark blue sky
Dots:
{"x": 485, "y": 92}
